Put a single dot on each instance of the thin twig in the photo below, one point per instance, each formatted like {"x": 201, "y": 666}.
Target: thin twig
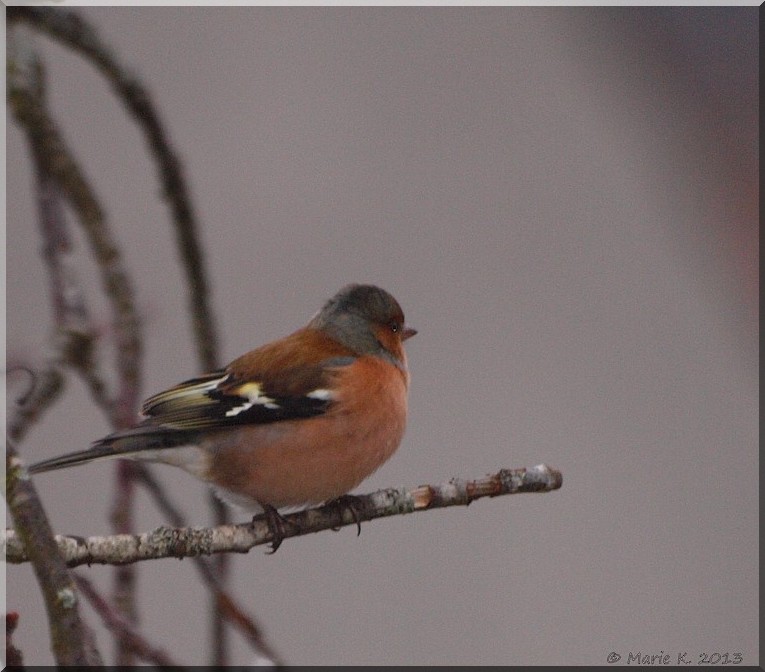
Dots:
{"x": 54, "y": 159}
{"x": 54, "y": 163}
{"x": 124, "y": 578}
{"x": 49, "y": 382}
{"x": 72, "y": 340}
{"x": 14, "y": 658}
{"x": 69, "y": 309}
{"x": 71, "y": 315}
{"x": 123, "y": 629}
{"x": 168, "y": 542}
{"x": 71, "y": 639}
{"x": 226, "y": 605}
{"x": 76, "y": 33}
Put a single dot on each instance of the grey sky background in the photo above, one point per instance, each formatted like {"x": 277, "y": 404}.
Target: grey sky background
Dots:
{"x": 563, "y": 201}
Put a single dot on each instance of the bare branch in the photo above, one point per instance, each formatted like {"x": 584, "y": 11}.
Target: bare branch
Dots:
{"x": 72, "y": 30}
{"x": 70, "y": 311}
{"x": 56, "y": 169}
{"x": 53, "y": 158}
{"x": 168, "y": 542}
{"x": 13, "y": 656}
{"x": 225, "y": 605}
{"x": 225, "y": 608}
{"x": 124, "y": 578}
{"x": 123, "y": 629}
{"x": 71, "y": 639}
{"x": 72, "y": 341}
{"x": 48, "y": 385}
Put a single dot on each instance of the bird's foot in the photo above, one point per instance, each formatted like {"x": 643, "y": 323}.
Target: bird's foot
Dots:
{"x": 350, "y": 503}
{"x": 276, "y": 526}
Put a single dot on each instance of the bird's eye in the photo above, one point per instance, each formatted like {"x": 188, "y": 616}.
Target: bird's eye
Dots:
{"x": 394, "y": 326}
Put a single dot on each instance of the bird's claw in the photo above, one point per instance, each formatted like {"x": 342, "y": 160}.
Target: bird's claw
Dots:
{"x": 276, "y": 523}
{"x": 351, "y": 503}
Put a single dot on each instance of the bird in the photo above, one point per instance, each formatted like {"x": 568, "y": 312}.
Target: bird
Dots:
{"x": 296, "y": 422}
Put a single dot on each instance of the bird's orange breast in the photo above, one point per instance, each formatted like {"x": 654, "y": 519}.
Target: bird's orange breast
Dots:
{"x": 312, "y": 460}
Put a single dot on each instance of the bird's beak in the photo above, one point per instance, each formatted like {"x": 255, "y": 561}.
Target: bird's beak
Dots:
{"x": 407, "y": 332}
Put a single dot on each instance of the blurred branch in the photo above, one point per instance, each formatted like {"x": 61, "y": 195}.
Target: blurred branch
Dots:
{"x": 48, "y": 385}
{"x": 71, "y": 639}
{"x": 56, "y": 171}
{"x": 72, "y": 30}
{"x": 226, "y": 606}
{"x": 167, "y": 542}
{"x": 72, "y": 339}
{"x": 122, "y": 628}
{"x": 223, "y": 606}
{"x": 13, "y": 656}
{"x": 54, "y": 159}
{"x": 125, "y": 579}
{"x": 72, "y": 321}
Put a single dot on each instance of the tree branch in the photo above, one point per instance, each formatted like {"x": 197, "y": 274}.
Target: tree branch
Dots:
{"x": 77, "y": 34}
{"x": 57, "y": 169}
{"x": 123, "y": 628}
{"x": 183, "y": 542}
{"x": 71, "y": 639}
{"x": 70, "y": 29}
{"x": 13, "y": 656}
{"x": 53, "y": 158}
{"x": 225, "y": 605}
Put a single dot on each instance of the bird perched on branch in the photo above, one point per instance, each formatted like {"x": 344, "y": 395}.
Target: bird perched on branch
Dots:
{"x": 299, "y": 421}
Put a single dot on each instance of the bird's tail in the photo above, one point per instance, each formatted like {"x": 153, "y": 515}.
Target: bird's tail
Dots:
{"x": 129, "y": 443}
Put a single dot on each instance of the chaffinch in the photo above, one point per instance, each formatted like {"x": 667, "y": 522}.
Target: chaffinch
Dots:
{"x": 298, "y": 421}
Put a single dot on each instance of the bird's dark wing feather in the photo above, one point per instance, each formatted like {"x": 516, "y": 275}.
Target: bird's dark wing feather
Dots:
{"x": 222, "y": 398}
